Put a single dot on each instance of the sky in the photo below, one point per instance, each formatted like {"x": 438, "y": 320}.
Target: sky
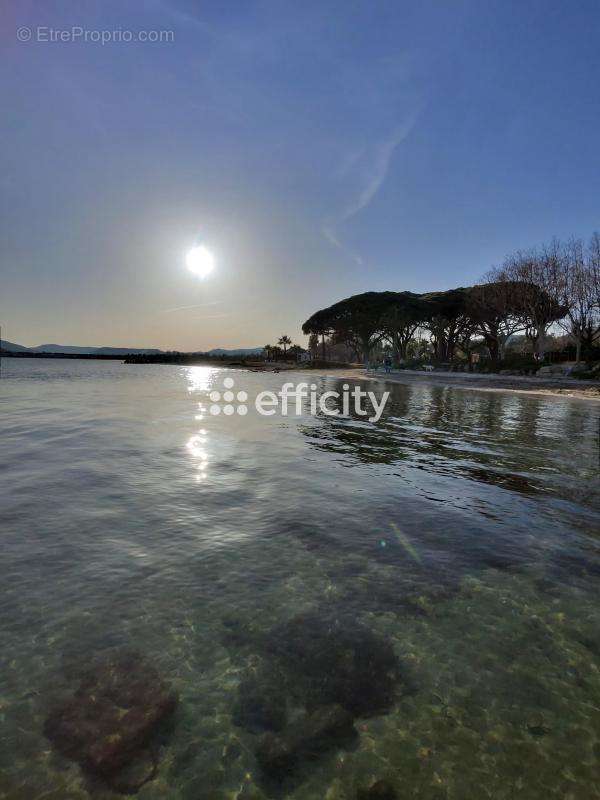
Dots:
{"x": 318, "y": 149}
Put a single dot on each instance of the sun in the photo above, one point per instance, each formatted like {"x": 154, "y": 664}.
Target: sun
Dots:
{"x": 200, "y": 261}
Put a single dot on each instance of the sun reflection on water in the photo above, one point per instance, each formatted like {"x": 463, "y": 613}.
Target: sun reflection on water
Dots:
{"x": 200, "y": 378}
{"x": 196, "y": 447}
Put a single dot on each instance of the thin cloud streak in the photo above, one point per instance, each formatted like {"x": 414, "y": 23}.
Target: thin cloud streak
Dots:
{"x": 376, "y": 170}
{"x": 330, "y": 235}
{"x": 187, "y": 308}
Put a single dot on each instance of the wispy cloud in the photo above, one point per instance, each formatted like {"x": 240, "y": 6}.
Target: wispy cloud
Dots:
{"x": 370, "y": 166}
{"x": 377, "y": 170}
{"x": 187, "y": 308}
{"x": 183, "y": 16}
{"x": 328, "y": 231}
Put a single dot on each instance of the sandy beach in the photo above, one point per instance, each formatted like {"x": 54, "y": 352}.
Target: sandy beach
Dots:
{"x": 554, "y": 386}
{"x": 522, "y": 384}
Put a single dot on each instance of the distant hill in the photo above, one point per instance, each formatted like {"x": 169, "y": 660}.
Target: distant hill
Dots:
{"x": 121, "y": 351}
{"x": 14, "y": 348}
{"x": 62, "y": 348}
{"x": 74, "y": 349}
{"x": 240, "y": 351}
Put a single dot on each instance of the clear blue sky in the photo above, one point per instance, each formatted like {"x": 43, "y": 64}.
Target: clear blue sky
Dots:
{"x": 318, "y": 148}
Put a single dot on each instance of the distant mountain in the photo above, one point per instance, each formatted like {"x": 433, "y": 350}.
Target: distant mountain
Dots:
{"x": 74, "y": 349}
{"x": 62, "y": 348}
{"x": 122, "y": 351}
{"x": 14, "y": 348}
{"x": 240, "y": 351}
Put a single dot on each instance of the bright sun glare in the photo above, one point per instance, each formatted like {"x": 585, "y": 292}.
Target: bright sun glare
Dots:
{"x": 200, "y": 261}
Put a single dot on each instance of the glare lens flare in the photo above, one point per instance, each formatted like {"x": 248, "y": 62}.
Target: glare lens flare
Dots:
{"x": 200, "y": 261}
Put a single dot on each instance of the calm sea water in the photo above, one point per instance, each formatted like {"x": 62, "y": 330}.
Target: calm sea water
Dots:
{"x": 462, "y": 530}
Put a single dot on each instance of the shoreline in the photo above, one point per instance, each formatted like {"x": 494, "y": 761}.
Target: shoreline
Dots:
{"x": 558, "y": 387}
{"x": 569, "y": 388}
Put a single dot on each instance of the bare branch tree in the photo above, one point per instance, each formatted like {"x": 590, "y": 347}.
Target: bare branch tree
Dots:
{"x": 579, "y": 294}
{"x": 593, "y": 260}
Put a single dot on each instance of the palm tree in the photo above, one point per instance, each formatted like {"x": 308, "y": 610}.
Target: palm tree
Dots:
{"x": 267, "y": 351}
{"x": 284, "y": 341}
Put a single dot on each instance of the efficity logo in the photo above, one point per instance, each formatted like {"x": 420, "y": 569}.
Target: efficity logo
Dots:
{"x": 297, "y": 399}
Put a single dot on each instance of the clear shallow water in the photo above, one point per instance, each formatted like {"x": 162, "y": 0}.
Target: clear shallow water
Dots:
{"x": 462, "y": 529}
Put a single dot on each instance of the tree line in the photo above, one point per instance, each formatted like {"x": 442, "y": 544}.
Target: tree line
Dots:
{"x": 553, "y": 285}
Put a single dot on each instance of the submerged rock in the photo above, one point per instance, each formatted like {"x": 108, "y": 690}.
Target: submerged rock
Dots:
{"x": 322, "y": 673}
{"x": 261, "y": 703}
{"x": 573, "y": 565}
{"x": 327, "y": 662}
{"x": 537, "y": 726}
{"x": 111, "y": 719}
{"x": 418, "y": 593}
{"x": 135, "y": 774}
{"x": 381, "y": 790}
{"x": 238, "y": 631}
{"x": 311, "y": 537}
{"x": 306, "y": 739}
